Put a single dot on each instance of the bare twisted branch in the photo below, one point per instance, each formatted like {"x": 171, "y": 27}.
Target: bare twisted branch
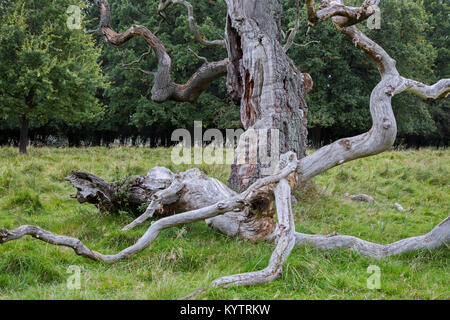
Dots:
{"x": 333, "y": 8}
{"x": 198, "y": 36}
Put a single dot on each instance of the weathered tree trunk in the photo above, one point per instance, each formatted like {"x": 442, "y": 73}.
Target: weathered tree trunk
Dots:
{"x": 266, "y": 84}
{"x": 23, "y": 141}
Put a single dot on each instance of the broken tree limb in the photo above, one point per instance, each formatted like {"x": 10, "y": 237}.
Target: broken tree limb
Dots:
{"x": 230, "y": 203}
{"x": 141, "y": 244}
{"x": 360, "y": 197}
{"x": 434, "y": 239}
{"x": 270, "y": 90}
{"x": 159, "y": 199}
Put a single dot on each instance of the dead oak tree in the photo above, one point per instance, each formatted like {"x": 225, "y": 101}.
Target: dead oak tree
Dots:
{"x": 270, "y": 90}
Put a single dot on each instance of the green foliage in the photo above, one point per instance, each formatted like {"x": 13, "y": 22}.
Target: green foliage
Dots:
{"x": 48, "y": 71}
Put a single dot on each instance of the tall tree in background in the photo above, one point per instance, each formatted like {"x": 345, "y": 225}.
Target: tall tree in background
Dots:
{"x": 48, "y": 71}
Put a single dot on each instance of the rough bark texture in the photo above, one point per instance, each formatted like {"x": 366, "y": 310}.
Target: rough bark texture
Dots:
{"x": 23, "y": 141}
{"x": 264, "y": 82}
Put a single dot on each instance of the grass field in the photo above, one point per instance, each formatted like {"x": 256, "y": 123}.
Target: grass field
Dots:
{"x": 183, "y": 259}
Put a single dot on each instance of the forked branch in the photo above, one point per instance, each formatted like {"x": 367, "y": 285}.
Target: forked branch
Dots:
{"x": 384, "y": 128}
{"x": 163, "y": 87}
{"x": 379, "y": 138}
{"x": 285, "y": 241}
{"x": 233, "y": 203}
{"x": 163, "y": 5}
{"x": 333, "y": 8}
{"x": 141, "y": 244}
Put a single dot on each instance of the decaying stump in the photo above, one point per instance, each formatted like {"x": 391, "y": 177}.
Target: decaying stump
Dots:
{"x": 165, "y": 193}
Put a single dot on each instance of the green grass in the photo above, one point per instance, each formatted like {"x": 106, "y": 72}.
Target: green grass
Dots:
{"x": 183, "y": 259}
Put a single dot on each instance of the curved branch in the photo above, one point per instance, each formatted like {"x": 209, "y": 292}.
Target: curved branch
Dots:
{"x": 441, "y": 89}
{"x": 335, "y": 8}
{"x": 384, "y": 128}
{"x": 151, "y": 234}
{"x": 237, "y": 202}
{"x": 198, "y": 36}
{"x": 163, "y": 87}
{"x": 293, "y": 33}
{"x": 285, "y": 244}
{"x": 432, "y": 240}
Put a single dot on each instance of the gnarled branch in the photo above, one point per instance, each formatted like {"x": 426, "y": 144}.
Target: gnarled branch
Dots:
{"x": 163, "y": 87}
{"x": 440, "y": 89}
{"x": 285, "y": 240}
{"x": 229, "y": 204}
{"x": 333, "y": 8}
{"x": 384, "y": 128}
{"x": 198, "y": 36}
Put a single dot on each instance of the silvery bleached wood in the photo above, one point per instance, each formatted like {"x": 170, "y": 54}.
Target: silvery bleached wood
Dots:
{"x": 269, "y": 88}
{"x": 434, "y": 239}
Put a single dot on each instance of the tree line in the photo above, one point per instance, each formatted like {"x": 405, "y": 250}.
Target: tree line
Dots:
{"x": 61, "y": 85}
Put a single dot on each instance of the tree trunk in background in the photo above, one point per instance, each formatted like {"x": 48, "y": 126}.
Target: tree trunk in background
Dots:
{"x": 264, "y": 81}
{"x": 23, "y": 142}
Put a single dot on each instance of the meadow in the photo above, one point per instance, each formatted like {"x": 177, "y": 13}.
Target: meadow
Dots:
{"x": 183, "y": 259}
